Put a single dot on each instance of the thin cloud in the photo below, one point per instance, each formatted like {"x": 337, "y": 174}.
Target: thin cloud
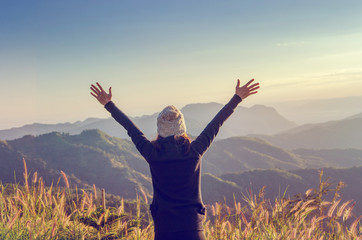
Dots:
{"x": 285, "y": 84}
{"x": 347, "y": 76}
{"x": 355, "y": 73}
{"x": 292, "y": 44}
{"x": 350, "y": 76}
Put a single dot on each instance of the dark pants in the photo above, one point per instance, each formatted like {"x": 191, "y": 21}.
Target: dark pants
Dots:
{"x": 187, "y": 235}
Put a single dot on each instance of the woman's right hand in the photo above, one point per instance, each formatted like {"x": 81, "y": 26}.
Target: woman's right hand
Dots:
{"x": 246, "y": 90}
{"x": 100, "y": 94}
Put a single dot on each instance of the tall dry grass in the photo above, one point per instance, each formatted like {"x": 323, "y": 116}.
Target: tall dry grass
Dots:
{"x": 33, "y": 211}
{"x": 304, "y": 217}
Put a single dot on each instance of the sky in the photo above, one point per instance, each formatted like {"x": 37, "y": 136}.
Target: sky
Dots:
{"x": 157, "y": 53}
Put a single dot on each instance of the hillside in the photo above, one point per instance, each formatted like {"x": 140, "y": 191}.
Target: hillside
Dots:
{"x": 215, "y": 189}
{"x": 278, "y": 182}
{"x": 239, "y": 154}
{"x": 91, "y": 157}
{"x": 94, "y": 157}
{"x": 255, "y": 120}
{"x": 341, "y": 158}
{"x": 356, "y": 116}
{"x": 245, "y": 153}
{"x": 11, "y": 165}
{"x": 341, "y": 134}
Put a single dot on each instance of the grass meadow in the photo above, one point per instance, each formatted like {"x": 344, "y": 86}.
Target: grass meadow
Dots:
{"x": 33, "y": 211}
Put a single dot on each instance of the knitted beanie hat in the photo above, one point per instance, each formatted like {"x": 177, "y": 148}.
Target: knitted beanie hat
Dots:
{"x": 170, "y": 122}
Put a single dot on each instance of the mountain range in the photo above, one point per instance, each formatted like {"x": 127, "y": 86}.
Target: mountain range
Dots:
{"x": 345, "y": 133}
{"x": 93, "y": 157}
{"x": 256, "y": 147}
{"x": 254, "y": 120}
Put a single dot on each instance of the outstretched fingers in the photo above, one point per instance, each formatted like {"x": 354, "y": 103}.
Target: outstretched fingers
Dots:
{"x": 251, "y": 93}
{"x": 248, "y": 83}
{"x": 94, "y": 95}
{"x": 100, "y": 87}
{"x": 95, "y": 89}
{"x": 253, "y": 87}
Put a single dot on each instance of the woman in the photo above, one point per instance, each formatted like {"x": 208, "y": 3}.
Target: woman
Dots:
{"x": 175, "y": 163}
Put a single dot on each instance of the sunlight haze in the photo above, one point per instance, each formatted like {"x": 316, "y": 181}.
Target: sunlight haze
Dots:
{"x": 157, "y": 53}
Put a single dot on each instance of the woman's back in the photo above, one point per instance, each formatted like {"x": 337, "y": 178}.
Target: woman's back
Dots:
{"x": 176, "y": 186}
{"x": 177, "y": 208}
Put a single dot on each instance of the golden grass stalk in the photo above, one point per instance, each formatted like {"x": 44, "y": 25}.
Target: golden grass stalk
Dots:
{"x": 54, "y": 229}
{"x": 120, "y": 209}
{"x": 26, "y": 176}
{"x": 144, "y": 196}
{"x": 342, "y": 208}
{"x": 35, "y": 177}
{"x": 12, "y": 221}
{"x": 353, "y": 228}
{"x": 332, "y": 208}
{"x": 65, "y": 179}
{"x": 95, "y": 191}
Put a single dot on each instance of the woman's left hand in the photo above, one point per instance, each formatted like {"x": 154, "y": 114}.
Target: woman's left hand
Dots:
{"x": 246, "y": 90}
{"x": 100, "y": 94}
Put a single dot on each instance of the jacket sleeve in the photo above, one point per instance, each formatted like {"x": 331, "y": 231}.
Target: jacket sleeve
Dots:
{"x": 204, "y": 140}
{"x": 143, "y": 145}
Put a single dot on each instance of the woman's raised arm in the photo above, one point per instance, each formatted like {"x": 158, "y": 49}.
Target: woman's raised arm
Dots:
{"x": 143, "y": 145}
{"x": 204, "y": 140}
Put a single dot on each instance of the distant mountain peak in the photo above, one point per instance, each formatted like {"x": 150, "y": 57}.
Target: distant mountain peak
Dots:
{"x": 261, "y": 106}
{"x": 92, "y": 133}
{"x": 201, "y": 106}
{"x": 355, "y": 116}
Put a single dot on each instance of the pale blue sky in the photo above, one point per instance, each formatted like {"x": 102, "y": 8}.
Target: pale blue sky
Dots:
{"x": 156, "y": 53}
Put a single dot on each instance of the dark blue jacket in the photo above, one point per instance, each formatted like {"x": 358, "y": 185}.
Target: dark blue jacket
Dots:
{"x": 176, "y": 175}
